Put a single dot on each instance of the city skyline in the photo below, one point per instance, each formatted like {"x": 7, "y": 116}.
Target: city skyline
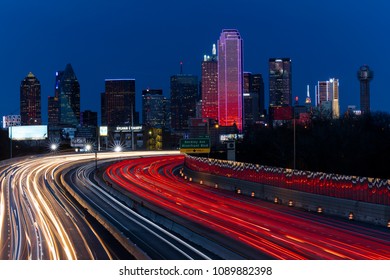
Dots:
{"x": 151, "y": 56}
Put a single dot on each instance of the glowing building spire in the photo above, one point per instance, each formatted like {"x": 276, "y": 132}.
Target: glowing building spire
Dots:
{"x": 214, "y": 51}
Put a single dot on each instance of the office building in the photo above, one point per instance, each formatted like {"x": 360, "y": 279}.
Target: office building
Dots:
{"x": 230, "y": 79}
{"x": 30, "y": 100}
{"x": 118, "y": 103}
{"x": 365, "y": 75}
{"x": 68, "y": 98}
{"x": 155, "y": 109}
{"x": 209, "y": 86}
{"x": 280, "y": 82}
{"x": 253, "y": 97}
{"x": 184, "y": 95}
{"x": 257, "y": 87}
{"x": 327, "y": 98}
{"x": 54, "y": 104}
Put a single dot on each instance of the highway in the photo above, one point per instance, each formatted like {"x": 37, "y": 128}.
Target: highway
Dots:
{"x": 247, "y": 225}
{"x": 40, "y": 220}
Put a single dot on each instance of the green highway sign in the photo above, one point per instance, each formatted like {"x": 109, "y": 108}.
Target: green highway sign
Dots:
{"x": 195, "y": 146}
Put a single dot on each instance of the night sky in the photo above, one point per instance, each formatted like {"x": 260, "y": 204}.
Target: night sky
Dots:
{"x": 146, "y": 40}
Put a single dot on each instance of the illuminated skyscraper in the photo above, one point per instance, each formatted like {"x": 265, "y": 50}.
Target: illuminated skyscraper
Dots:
{"x": 230, "y": 79}
{"x": 53, "y": 102}
{"x": 280, "y": 82}
{"x": 69, "y": 98}
{"x": 184, "y": 95}
{"x": 365, "y": 75}
{"x": 210, "y": 86}
{"x": 327, "y": 97}
{"x": 30, "y": 100}
{"x": 118, "y": 103}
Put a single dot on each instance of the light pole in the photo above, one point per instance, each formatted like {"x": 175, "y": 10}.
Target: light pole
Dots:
{"x": 294, "y": 143}
{"x": 88, "y": 149}
{"x": 11, "y": 141}
{"x": 95, "y": 159}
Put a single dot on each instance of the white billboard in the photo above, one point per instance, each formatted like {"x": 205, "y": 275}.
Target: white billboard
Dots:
{"x": 103, "y": 131}
{"x": 28, "y": 132}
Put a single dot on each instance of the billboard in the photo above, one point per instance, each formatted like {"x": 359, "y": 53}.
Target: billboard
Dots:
{"x": 103, "y": 131}
{"x": 28, "y": 132}
{"x": 78, "y": 142}
{"x": 228, "y": 137}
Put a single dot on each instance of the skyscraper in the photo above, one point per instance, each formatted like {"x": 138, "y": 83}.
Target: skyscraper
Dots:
{"x": 365, "y": 75}
{"x": 210, "y": 86}
{"x": 54, "y": 104}
{"x": 253, "y": 97}
{"x": 257, "y": 86}
{"x": 30, "y": 100}
{"x": 184, "y": 95}
{"x": 230, "y": 79}
{"x": 155, "y": 107}
{"x": 118, "y": 102}
{"x": 327, "y": 97}
{"x": 69, "y": 98}
{"x": 280, "y": 82}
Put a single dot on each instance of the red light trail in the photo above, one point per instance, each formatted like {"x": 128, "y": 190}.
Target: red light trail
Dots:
{"x": 260, "y": 225}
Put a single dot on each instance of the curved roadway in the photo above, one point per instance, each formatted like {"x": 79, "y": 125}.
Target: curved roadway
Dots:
{"x": 243, "y": 222}
{"x": 40, "y": 220}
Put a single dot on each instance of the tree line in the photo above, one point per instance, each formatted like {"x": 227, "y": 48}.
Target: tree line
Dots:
{"x": 351, "y": 145}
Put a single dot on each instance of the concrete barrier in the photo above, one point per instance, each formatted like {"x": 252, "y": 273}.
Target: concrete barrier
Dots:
{"x": 361, "y": 211}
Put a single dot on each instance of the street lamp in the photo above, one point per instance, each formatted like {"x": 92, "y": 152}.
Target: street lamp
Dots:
{"x": 53, "y": 147}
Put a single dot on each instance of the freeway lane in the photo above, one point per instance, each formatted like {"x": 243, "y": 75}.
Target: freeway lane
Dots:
{"x": 270, "y": 229}
{"x": 40, "y": 220}
{"x": 153, "y": 240}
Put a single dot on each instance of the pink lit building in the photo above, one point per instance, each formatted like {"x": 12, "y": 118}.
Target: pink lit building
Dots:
{"x": 230, "y": 79}
{"x": 210, "y": 86}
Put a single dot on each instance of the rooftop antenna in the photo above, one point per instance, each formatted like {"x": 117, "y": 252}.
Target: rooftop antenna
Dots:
{"x": 181, "y": 67}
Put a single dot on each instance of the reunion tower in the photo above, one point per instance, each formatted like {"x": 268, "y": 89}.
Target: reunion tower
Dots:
{"x": 365, "y": 75}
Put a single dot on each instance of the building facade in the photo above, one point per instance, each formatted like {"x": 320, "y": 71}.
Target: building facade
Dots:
{"x": 118, "y": 103}
{"x": 155, "y": 109}
{"x": 365, "y": 75}
{"x": 184, "y": 95}
{"x": 327, "y": 98}
{"x": 280, "y": 82}
{"x": 230, "y": 79}
{"x": 253, "y": 98}
{"x": 210, "y": 86}
{"x": 69, "y": 98}
{"x": 89, "y": 118}
{"x": 30, "y": 100}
